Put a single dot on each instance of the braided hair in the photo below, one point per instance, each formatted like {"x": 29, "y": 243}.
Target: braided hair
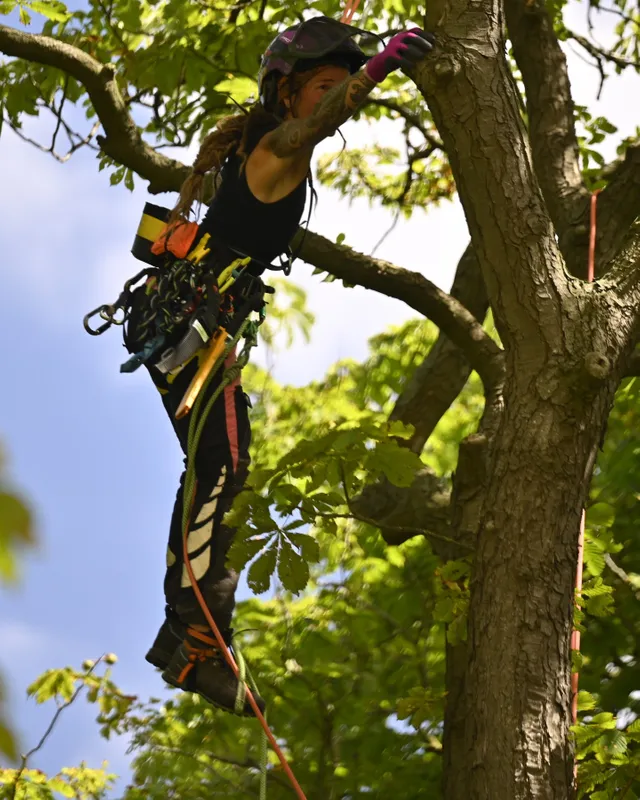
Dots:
{"x": 230, "y": 135}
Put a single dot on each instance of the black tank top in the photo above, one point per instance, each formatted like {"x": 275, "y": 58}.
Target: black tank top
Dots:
{"x": 238, "y": 219}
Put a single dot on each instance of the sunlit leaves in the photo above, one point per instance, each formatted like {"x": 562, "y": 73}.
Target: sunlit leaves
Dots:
{"x": 381, "y": 173}
{"x": 82, "y": 783}
{"x": 344, "y": 456}
{"x": 287, "y": 314}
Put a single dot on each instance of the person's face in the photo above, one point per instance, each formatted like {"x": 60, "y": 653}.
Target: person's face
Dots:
{"x": 313, "y": 90}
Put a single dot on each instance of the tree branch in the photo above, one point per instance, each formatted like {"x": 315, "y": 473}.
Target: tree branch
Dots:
{"x": 554, "y": 145}
{"x": 417, "y": 292}
{"x": 618, "y": 205}
{"x": 552, "y": 134}
{"x": 122, "y": 140}
{"x": 412, "y": 119}
{"x": 624, "y": 276}
{"x": 622, "y": 575}
{"x": 600, "y": 54}
{"x": 442, "y": 375}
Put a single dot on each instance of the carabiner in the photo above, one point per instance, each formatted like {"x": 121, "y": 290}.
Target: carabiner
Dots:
{"x": 101, "y": 312}
{"x": 108, "y": 313}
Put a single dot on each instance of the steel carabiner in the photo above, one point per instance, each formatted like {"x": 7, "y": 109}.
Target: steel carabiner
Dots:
{"x": 105, "y": 313}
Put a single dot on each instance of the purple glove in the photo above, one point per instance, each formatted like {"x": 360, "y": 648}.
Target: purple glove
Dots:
{"x": 402, "y": 51}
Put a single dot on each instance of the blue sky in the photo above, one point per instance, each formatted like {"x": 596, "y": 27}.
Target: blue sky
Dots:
{"x": 92, "y": 450}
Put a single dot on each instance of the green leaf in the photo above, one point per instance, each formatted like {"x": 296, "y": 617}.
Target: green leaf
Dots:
{"x": 399, "y": 464}
{"x": 59, "y": 785}
{"x": 8, "y": 743}
{"x": 7, "y": 6}
{"x": 52, "y": 9}
{"x": 307, "y": 545}
{"x": 260, "y": 572}
{"x": 601, "y": 514}
{"x": 604, "y": 720}
{"x": 594, "y": 556}
{"x": 117, "y": 176}
{"x": 25, "y": 17}
{"x": 454, "y": 570}
{"x": 613, "y": 742}
{"x": 15, "y": 519}
{"x": 243, "y": 550}
{"x": 586, "y": 701}
{"x": 293, "y": 570}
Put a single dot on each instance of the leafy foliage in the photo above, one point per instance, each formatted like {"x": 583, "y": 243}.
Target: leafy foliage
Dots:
{"x": 16, "y": 531}
{"x": 353, "y": 668}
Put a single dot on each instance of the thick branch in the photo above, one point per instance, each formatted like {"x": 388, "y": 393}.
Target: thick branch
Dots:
{"x": 402, "y": 513}
{"x": 122, "y": 140}
{"x": 550, "y": 110}
{"x": 554, "y": 145}
{"x": 618, "y": 205}
{"x": 417, "y": 292}
{"x": 624, "y": 277}
{"x": 442, "y": 375}
{"x": 428, "y": 395}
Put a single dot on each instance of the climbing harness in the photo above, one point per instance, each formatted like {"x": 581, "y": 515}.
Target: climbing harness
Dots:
{"x": 575, "y": 637}
{"x": 181, "y": 288}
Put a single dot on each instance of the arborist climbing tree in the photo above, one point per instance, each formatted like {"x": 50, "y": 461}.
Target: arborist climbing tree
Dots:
{"x": 490, "y": 112}
{"x": 313, "y": 77}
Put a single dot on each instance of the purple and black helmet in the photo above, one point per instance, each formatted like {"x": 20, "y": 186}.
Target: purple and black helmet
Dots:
{"x": 320, "y": 40}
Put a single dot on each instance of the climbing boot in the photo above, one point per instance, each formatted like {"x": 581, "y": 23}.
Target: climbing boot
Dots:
{"x": 167, "y": 641}
{"x": 198, "y": 665}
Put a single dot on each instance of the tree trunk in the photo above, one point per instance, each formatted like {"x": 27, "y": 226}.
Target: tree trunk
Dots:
{"x": 507, "y": 727}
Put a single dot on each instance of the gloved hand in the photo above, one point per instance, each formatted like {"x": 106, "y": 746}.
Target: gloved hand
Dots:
{"x": 403, "y": 50}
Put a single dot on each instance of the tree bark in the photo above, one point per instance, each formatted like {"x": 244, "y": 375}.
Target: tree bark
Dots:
{"x": 520, "y": 486}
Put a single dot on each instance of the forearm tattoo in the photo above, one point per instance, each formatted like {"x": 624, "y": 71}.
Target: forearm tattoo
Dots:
{"x": 335, "y": 108}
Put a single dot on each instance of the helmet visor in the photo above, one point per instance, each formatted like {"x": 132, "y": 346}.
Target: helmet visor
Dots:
{"x": 320, "y": 36}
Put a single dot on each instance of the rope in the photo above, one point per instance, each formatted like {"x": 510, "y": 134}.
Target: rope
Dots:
{"x": 575, "y": 637}
{"x": 239, "y": 668}
{"x": 349, "y": 11}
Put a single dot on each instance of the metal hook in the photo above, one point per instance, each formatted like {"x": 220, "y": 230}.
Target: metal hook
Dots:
{"x": 100, "y": 311}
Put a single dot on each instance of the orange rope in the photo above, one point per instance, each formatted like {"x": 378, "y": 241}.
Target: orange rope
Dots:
{"x": 349, "y": 11}
{"x": 575, "y": 638}
{"x": 232, "y": 662}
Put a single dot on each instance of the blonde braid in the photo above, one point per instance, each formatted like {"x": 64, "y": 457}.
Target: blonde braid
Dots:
{"x": 214, "y": 151}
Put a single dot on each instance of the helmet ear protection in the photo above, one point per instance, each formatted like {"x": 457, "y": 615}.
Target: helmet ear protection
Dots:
{"x": 270, "y": 95}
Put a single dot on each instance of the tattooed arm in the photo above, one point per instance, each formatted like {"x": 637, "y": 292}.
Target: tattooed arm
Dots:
{"x": 294, "y": 136}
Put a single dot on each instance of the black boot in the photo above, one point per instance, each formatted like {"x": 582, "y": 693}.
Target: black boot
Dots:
{"x": 198, "y": 665}
{"x": 167, "y": 641}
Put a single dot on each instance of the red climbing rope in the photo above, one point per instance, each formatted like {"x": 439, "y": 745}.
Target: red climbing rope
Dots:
{"x": 349, "y": 11}
{"x": 232, "y": 662}
{"x": 575, "y": 638}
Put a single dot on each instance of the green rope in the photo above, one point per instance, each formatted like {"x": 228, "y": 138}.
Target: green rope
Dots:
{"x": 196, "y": 426}
{"x": 244, "y": 677}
